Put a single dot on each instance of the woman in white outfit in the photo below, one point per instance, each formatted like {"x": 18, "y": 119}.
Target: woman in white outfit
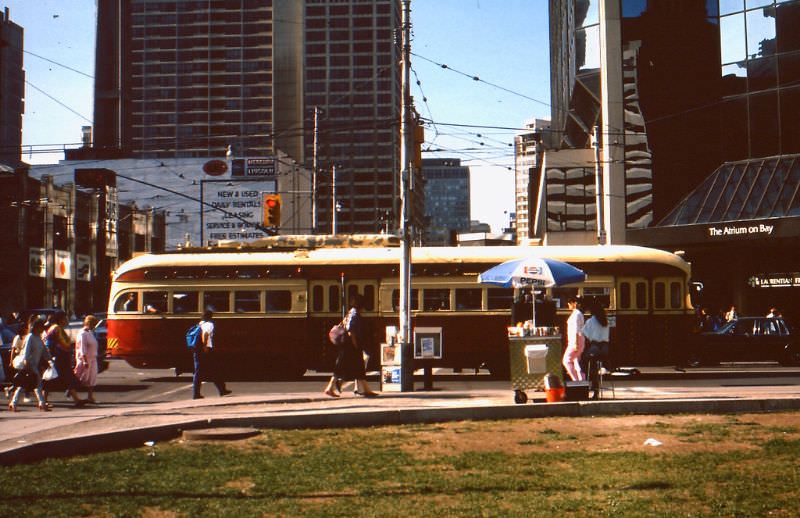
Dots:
{"x": 86, "y": 356}
{"x": 575, "y": 342}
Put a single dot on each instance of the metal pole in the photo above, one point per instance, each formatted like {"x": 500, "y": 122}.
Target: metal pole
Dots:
{"x": 598, "y": 189}
{"x": 314, "y": 172}
{"x": 202, "y": 224}
{"x": 333, "y": 200}
{"x": 406, "y": 339}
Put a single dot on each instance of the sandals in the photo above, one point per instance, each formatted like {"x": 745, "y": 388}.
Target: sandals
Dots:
{"x": 44, "y": 407}
{"x": 331, "y": 393}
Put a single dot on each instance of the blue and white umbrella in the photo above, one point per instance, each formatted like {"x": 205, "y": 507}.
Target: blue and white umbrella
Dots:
{"x": 537, "y": 272}
{"x": 533, "y": 272}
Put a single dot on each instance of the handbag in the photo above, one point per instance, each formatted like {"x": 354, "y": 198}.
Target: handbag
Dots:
{"x": 50, "y": 373}
{"x": 19, "y": 361}
{"x": 338, "y": 334}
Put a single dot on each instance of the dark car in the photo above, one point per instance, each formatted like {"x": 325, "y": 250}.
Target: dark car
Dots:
{"x": 747, "y": 339}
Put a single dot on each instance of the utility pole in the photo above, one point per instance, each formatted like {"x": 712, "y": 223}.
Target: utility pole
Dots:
{"x": 333, "y": 200}
{"x": 314, "y": 165}
{"x": 598, "y": 189}
{"x": 406, "y": 338}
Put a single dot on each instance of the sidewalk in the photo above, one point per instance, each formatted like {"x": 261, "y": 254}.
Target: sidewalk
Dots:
{"x": 29, "y": 434}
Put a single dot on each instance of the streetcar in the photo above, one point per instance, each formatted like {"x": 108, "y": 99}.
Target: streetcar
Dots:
{"x": 273, "y": 306}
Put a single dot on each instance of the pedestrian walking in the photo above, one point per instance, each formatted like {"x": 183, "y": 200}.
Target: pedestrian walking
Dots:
{"x": 61, "y": 348}
{"x": 86, "y": 357}
{"x": 205, "y": 367}
{"x": 575, "y": 341}
{"x": 29, "y": 377}
{"x": 350, "y": 363}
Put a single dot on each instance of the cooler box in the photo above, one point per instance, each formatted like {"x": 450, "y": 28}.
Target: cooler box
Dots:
{"x": 577, "y": 390}
{"x": 536, "y": 358}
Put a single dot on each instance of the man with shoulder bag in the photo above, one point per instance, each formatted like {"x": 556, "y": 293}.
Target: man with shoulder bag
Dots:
{"x": 203, "y": 352}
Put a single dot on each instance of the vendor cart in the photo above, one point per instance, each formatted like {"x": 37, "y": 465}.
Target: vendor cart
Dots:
{"x": 533, "y": 357}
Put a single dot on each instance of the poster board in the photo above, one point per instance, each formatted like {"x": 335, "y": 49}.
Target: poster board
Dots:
{"x": 427, "y": 343}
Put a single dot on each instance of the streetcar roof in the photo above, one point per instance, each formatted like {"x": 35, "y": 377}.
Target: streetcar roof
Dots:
{"x": 421, "y": 255}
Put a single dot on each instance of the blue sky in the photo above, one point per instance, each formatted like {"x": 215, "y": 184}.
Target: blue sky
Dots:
{"x": 503, "y": 42}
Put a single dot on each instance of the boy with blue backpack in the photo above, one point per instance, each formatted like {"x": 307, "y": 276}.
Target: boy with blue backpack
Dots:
{"x": 200, "y": 340}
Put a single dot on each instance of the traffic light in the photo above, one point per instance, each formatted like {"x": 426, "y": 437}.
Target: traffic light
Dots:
{"x": 419, "y": 139}
{"x": 272, "y": 210}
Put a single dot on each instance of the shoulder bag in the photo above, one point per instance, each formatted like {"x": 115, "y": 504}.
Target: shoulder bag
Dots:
{"x": 338, "y": 334}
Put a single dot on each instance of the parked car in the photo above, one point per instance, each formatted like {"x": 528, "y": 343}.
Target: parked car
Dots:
{"x": 747, "y": 339}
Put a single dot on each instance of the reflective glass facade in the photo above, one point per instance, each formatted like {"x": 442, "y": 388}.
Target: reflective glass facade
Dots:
{"x": 446, "y": 199}
{"x": 704, "y": 82}
{"x": 760, "y": 73}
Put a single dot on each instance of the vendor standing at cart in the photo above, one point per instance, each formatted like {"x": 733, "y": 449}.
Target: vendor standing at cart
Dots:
{"x": 575, "y": 341}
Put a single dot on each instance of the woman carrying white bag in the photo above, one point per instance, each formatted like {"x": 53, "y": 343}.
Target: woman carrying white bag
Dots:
{"x": 28, "y": 377}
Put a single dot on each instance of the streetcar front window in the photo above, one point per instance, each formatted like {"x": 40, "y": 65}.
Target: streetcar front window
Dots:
{"x": 184, "y": 302}
{"x": 219, "y": 301}
{"x": 127, "y": 303}
{"x": 247, "y": 301}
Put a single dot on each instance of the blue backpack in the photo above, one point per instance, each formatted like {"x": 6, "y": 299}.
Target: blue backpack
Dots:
{"x": 194, "y": 336}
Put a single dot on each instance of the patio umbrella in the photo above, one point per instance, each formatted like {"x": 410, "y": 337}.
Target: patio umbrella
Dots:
{"x": 535, "y": 272}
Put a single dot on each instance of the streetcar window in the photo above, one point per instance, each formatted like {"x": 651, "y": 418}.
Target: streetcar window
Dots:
{"x": 659, "y": 295}
{"x": 396, "y": 300}
{"x": 624, "y": 295}
{"x": 279, "y": 300}
{"x": 154, "y": 301}
{"x": 562, "y": 295}
{"x": 219, "y": 301}
{"x": 127, "y": 302}
{"x": 317, "y": 296}
{"x": 468, "y": 298}
{"x": 499, "y": 298}
{"x": 601, "y": 296}
{"x": 436, "y": 299}
{"x": 369, "y": 298}
{"x": 246, "y": 301}
{"x": 675, "y": 295}
{"x": 334, "y": 298}
{"x": 184, "y": 302}
{"x": 641, "y": 295}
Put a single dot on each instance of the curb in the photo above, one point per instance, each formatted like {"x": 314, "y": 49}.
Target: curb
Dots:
{"x": 133, "y": 438}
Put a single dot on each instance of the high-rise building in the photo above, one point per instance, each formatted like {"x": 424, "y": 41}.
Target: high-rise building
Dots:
{"x": 12, "y": 90}
{"x": 528, "y": 157}
{"x": 352, "y": 77}
{"x": 197, "y": 78}
{"x": 447, "y": 198}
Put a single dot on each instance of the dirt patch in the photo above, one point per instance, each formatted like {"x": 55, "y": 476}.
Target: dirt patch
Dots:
{"x": 155, "y": 512}
{"x": 680, "y": 433}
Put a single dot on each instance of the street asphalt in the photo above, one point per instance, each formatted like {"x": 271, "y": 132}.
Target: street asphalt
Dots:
{"x": 29, "y": 435}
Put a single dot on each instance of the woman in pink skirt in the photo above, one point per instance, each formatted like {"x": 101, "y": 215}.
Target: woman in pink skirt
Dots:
{"x": 86, "y": 357}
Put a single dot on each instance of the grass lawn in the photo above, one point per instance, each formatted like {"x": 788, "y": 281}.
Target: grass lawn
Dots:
{"x": 706, "y": 465}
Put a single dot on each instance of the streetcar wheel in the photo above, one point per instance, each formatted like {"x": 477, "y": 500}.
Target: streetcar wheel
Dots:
{"x": 520, "y": 397}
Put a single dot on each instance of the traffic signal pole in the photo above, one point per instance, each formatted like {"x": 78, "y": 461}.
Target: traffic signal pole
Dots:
{"x": 405, "y": 339}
